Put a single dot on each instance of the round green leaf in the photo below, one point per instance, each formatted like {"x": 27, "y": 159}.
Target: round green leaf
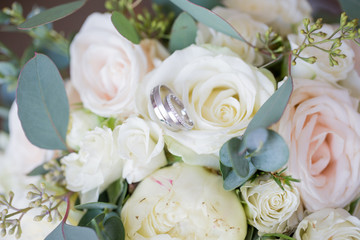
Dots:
{"x": 125, "y": 27}
{"x": 183, "y": 32}
{"x": 273, "y": 155}
{"x": 232, "y": 154}
{"x": 71, "y": 233}
{"x": 255, "y": 139}
{"x": 43, "y": 106}
{"x": 114, "y": 228}
{"x": 233, "y": 180}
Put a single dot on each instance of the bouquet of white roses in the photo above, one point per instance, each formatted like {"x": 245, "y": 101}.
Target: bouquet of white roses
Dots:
{"x": 233, "y": 119}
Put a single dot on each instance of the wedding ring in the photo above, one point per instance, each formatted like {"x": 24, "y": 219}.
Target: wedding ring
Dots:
{"x": 169, "y": 109}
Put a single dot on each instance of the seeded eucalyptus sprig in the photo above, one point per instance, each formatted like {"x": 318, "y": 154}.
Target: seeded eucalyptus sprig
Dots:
{"x": 10, "y": 215}
{"x": 272, "y": 43}
{"x": 314, "y": 37}
{"x": 153, "y": 23}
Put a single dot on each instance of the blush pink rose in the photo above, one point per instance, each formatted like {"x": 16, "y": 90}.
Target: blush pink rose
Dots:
{"x": 322, "y": 128}
{"x": 106, "y": 68}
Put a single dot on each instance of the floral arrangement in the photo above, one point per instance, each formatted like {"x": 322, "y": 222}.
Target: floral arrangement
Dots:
{"x": 226, "y": 119}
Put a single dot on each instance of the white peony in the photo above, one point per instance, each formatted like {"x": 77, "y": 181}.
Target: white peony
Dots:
{"x": 221, "y": 93}
{"x": 328, "y": 224}
{"x": 321, "y": 69}
{"x": 183, "y": 202}
{"x": 141, "y": 145}
{"x": 279, "y": 14}
{"x": 81, "y": 121}
{"x": 269, "y": 208}
{"x": 96, "y": 165}
{"x": 245, "y": 25}
{"x": 105, "y": 67}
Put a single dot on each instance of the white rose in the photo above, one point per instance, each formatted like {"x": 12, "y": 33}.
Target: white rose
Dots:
{"x": 269, "y": 208}
{"x": 140, "y": 144}
{"x": 328, "y": 224}
{"x": 96, "y": 165}
{"x": 220, "y": 92}
{"x": 105, "y": 67}
{"x": 245, "y": 25}
{"x": 81, "y": 121}
{"x": 183, "y": 202}
{"x": 321, "y": 69}
{"x": 279, "y": 14}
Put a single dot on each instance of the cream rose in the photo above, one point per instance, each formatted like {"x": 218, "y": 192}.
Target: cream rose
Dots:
{"x": 141, "y": 145}
{"x": 269, "y": 208}
{"x": 220, "y": 92}
{"x": 322, "y": 128}
{"x": 95, "y": 166}
{"x": 328, "y": 224}
{"x": 321, "y": 69}
{"x": 279, "y": 14}
{"x": 105, "y": 67}
{"x": 245, "y": 25}
{"x": 81, "y": 121}
{"x": 183, "y": 202}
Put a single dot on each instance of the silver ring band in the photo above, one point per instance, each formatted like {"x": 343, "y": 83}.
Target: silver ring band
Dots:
{"x": 169, "y": 109}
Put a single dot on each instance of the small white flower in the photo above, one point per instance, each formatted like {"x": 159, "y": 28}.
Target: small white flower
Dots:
{"x": 95, "y": 166}
{"x": 81, "y": 121}
{"x": 328, "y": 223}
{"x": 269, "y": 208}
{"x": 140, "y": 143}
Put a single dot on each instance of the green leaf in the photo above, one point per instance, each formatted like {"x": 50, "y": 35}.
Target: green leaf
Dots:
{"x": 271, "y": 154}
{"x": 114, "y": 228}
{"x": 168, "y": 6}
{"x": 88, "y": 216}
{"x": 232, "y": 154}
{"x": 278, "y": 235}
{"x": 207, "y": 17}
{"x": 124, "y": 27}
{"x": 52, "y": 14}
{"x": 271, "y": 111}
{"x": 231, "y": 179}
{"x": 96, "y": 205}
{"x": 43, "y": 104}
{"x": 39, "y": 170}
{"x": 353, "y": 205}
{"x": 183, "y": 32}
{"x": 252, "y": 233}
{"x": 351, "y": 7}
{"x": 71, "y": 233}
{"x": 114, "y": 190}
{"x": 8, "y": 71}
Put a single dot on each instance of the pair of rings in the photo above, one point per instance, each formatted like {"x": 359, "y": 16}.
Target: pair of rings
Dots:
{"x": 169, "y": 109}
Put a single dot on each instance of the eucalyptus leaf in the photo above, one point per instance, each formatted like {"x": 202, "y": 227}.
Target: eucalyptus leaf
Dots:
{"x": 125, "y": 27}
{"x": 207, "y": 17}
{"x": 351, "y": 7}
{"x": 88, "y": 216}
{"x": 43, "y": 106}
{"x": 183, "y": 32}
{"x": 96, "y": 205}
{"x": 255, "y": 139}
{"x": 272, "y": 155}
{"x": 39, "y": 170}
{"x": 114, "y": 228}
{"x": 168, "y": 6}
{"x": 114, "y": 190}
{"x": 353, "y": 206}
{"x": 52, "y": 14}
{"x": 71, "y": 233}
{"x": 231, "y": 179}
{"x": 272, "y": 110}
{"x": 232, "y": 154}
